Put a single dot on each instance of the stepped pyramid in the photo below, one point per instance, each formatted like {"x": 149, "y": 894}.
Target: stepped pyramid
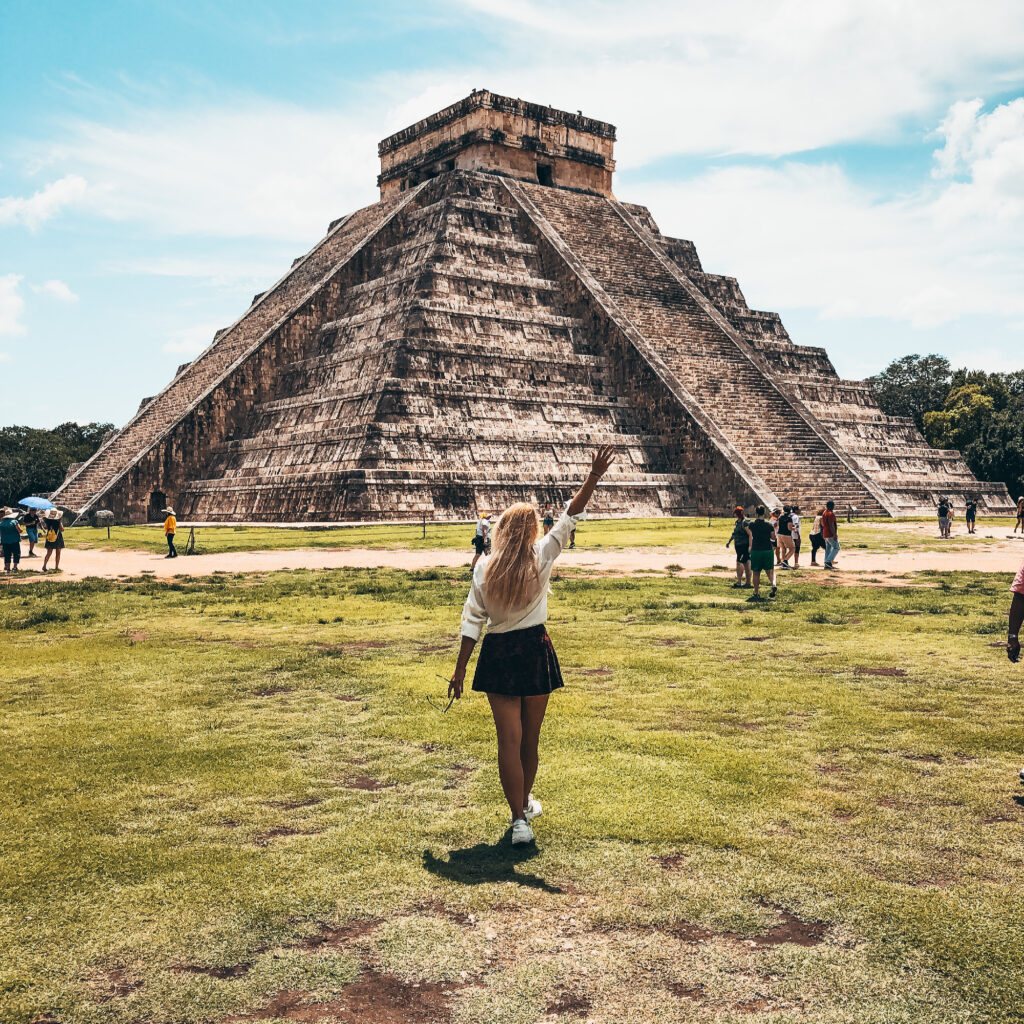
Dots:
{"x": 467, "y": 341}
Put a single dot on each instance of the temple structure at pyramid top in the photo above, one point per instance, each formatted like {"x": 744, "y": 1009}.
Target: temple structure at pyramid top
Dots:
{"x": 487, "y": 132}
{"x": 467, "y": 340}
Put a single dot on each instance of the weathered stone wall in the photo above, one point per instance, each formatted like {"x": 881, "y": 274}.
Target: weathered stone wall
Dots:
{"x": 451, "y": 375}
{"x": 889, "y": 451}
{"x": 504, "y": 136}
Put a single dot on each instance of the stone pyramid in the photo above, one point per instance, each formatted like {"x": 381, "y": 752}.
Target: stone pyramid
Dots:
{"x": 466, "y": 342}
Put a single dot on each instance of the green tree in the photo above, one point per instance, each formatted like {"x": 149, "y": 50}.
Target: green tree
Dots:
{"x": 36, "y": 461}
{"x": 962, "y": 418}
{"x": 912, "y": 386}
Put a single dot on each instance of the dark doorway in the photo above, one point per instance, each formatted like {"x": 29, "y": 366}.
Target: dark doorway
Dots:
{"x": 545, "y": 174}
{"x": 157, "y": 504}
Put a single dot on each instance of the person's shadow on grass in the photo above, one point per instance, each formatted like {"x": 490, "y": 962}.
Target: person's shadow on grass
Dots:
{"x": 488, "y": 862}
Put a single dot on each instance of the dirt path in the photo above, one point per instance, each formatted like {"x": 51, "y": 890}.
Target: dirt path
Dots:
{"x": 1005, "y": 556}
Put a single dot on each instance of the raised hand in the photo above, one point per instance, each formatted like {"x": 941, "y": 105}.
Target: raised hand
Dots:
{"x": 603, "y": 458}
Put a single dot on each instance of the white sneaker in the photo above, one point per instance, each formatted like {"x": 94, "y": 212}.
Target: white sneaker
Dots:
{"x": 533, "y": 809}
{"x": 521, "y": 832}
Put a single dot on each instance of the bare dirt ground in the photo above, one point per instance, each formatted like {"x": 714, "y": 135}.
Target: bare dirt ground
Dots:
{"x": 964, "y": 553}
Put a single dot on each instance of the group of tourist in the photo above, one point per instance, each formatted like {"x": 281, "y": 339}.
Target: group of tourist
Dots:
{"x": 946, "y": 514}
{"x": 767, "y": 543}
{"x": 17, "y": 525}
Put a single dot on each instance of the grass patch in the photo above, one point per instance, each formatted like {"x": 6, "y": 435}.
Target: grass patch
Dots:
{"x": 232, "y": 795}
{"x": 684, "y": 533}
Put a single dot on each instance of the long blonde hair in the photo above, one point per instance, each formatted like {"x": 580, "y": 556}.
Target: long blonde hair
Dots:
{"x": 512, "y": 577}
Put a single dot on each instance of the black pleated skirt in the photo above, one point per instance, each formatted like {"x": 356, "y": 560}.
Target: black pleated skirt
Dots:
{"x": 521, "y": 663}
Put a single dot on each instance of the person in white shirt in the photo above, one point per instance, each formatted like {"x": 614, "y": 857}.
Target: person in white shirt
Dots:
{"x": 483, "y": 529}
{"x": 517, "y": 667}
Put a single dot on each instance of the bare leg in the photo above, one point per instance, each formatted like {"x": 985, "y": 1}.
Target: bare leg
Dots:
{"x": 739, "y": 572}
{"x": 757, "y": 582}
{"x": 56, "y": 559}
{"x": 509, "y": 725}
{"x": 532, "y": 716}
{"x": 46, "y": 558}
{"x": 746, "y": 567}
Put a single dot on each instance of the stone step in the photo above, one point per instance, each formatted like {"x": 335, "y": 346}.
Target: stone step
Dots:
{"x": 708, "y": 363}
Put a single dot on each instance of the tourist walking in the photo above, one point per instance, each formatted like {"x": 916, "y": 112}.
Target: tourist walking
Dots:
{"x": 784, "y": 532}
{"x": 740, "y": 540}
{"x": 483, "y": 529}
{"x": 762, "y": 539}
{"x": 971, "y": 514}
{"x": 943, "y": 511}
{"x": 1020, "y": 516}
{"x": 549, "y": 520}
{"x": 817, "y": 541}
{"x": 10, "y": 539}
{"x": 170, "y": 528}
{"x": 517, "y": 667}
{"x": 30, "y": 520}
{"x": 794, "y": 535}
{"x": 830, "y": 534}
{"x": 53, "y": 522}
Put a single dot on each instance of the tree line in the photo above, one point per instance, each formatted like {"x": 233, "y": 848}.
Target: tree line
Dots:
{"x": 36, "y": 461}
{"x": 979, "y": 413}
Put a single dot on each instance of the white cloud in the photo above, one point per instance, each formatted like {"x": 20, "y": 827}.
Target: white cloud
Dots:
{"x": 801, "y": 235}
{"x": 738, "y": 76}
{"x": 55, "y": 290}
{"x": 11, "y": 304}
{"x": 190, "y": 341}
{"x": 222, "y": 272}
{"x": 44, "y": 204}
{"x": 263, "y": 169}
{"x": 986, "y": 152}
{"x": 742, "y": 76}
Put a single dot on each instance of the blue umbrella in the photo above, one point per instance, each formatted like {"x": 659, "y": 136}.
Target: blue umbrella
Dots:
{"x": 36, "y": 503}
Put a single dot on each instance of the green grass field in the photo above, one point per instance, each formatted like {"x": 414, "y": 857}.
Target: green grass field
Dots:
{"x": 682, "y": 533}
{"x": 231, "y": 800}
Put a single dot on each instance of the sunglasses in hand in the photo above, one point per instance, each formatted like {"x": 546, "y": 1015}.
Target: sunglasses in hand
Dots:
{"x": 451, "y": 699}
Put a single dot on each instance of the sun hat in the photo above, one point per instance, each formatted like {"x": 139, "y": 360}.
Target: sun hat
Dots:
{"x": 8, "y": 513}
{"x": 169, "y": 510}
{"x": 53, "y": 513}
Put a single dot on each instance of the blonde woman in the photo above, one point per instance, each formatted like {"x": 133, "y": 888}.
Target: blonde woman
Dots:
{"x": 517, "y": 667}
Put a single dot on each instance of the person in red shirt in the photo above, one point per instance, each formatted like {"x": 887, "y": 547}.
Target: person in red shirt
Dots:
{"x": 830, "y": 534}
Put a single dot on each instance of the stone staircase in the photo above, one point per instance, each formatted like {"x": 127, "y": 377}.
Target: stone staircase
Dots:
{"x": 450, "y": 368}
{"x": 770, "y": 434}
{"x": 86, "y": 486}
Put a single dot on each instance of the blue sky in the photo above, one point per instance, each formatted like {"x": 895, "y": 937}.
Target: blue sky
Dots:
{"x": 858, "y": 166}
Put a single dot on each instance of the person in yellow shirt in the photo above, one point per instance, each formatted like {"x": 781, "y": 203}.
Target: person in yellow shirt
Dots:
{"x": 170, "y": 526}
